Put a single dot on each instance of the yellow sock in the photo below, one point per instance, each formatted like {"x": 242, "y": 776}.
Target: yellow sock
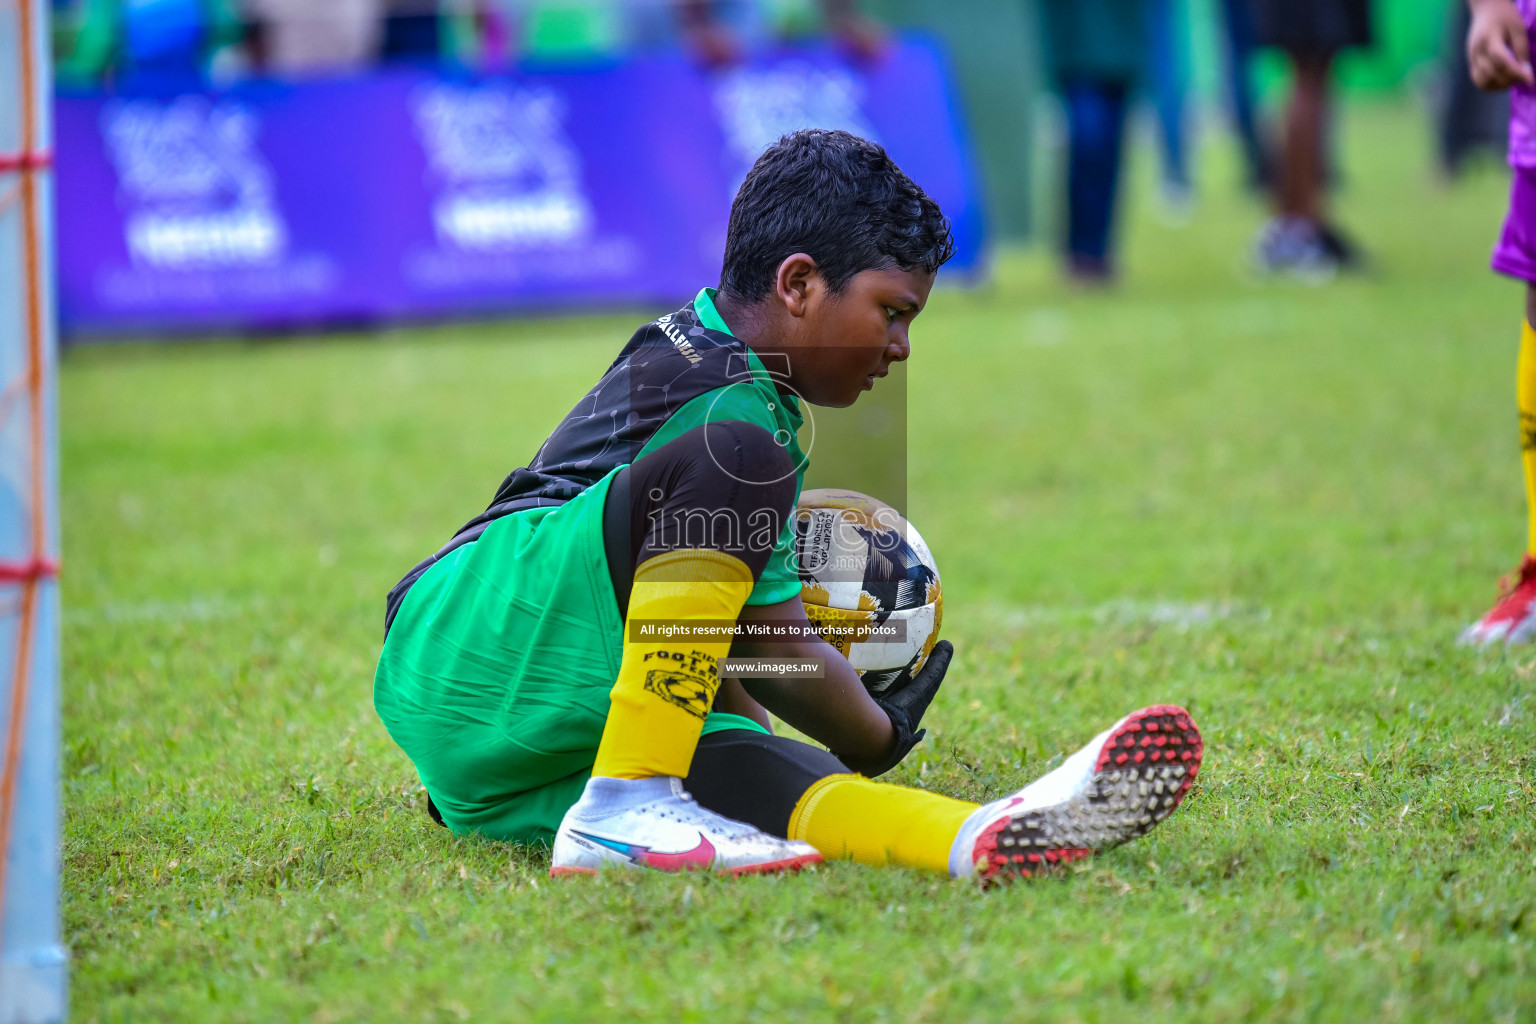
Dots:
{"x": 1525, "y": 396}
{"x": 665, "y": 687}
{"x": 848, "y": 816}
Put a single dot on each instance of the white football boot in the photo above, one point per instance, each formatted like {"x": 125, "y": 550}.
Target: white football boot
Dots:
{"x": 1129, "y": 778}
{"x": 653, "y": 823}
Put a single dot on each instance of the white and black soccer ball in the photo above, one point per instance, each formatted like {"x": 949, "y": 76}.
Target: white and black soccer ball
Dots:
{"x": 869, "y": 583}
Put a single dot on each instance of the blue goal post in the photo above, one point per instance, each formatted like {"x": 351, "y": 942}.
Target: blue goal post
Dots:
{"x": 32, "y": 956}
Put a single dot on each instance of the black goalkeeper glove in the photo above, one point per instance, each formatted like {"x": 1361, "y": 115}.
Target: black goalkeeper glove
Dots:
{"x": 905, "y": 701}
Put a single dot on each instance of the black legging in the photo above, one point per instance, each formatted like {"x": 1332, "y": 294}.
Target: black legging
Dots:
{"x": 755, "y": 778}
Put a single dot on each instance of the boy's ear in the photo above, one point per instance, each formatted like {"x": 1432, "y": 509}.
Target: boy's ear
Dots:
{"x": 799, "y": 283}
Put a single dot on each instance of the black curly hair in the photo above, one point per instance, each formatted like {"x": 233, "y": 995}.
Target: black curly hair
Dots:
{"x": 838, "y": 198}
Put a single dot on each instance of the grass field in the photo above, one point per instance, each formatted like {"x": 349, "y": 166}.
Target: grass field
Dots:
{"x": 1274, "y": 504}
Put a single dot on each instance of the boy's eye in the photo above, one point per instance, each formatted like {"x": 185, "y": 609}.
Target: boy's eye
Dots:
{"x": 891, "y": 313}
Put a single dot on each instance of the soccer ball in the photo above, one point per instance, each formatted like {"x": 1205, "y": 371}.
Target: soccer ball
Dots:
{"x": 868, "y": 582}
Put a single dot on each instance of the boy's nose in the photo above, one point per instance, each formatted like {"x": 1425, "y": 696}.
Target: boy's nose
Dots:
{"x": 899, "y": 348}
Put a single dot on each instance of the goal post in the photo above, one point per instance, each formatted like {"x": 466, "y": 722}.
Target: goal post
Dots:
{"x": 32, "y": 956}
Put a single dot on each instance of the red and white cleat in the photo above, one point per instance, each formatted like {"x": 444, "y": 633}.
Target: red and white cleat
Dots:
{"x": 1129, "y": 778}
{"x": 1513, "y": 618}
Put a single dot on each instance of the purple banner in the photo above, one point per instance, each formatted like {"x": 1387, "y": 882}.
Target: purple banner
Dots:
{"x": 412, "y": 194}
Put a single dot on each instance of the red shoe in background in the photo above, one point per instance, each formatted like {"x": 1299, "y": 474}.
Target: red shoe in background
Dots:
{"x": 1513, "y": 618}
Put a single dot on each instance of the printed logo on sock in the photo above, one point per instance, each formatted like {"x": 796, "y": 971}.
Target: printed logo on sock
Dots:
{"x": 690, "y": 693}
{"x": 687, "y": 679}
{"x": 701, "y": 856}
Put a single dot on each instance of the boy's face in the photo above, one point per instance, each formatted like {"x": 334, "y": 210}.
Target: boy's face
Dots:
{"x": 844, "y": 341}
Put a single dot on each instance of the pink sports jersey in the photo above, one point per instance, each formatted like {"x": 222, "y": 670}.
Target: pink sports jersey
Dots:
{"x": 1522, "y": 104}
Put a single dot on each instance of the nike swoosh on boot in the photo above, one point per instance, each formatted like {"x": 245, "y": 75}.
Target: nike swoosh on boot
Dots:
{"x": 701, "y": 856}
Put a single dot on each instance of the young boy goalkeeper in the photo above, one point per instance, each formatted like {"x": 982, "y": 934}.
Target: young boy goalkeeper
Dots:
{"x": 533, "y": 715}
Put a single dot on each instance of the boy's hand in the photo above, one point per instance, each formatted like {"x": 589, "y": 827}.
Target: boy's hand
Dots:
{"x": 906, "y": 700}
{"x": 1498, "y": 50}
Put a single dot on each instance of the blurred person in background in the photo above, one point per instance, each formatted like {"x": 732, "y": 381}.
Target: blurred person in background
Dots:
{"x": 716, "y": 33}
{"x": 1467, "y": 119}
{"x": 302, "y": 37}
{"x": 1168, "y": 34}
{"x": 716, "y": 29}
{"x": 150, "y": 44}
{"x": 1096, "y": 50}
{"x": 418, "y": 31}
{"x": 484, "y": 34}
{"x": 1237, "y": 25}
{"x": 1300, "y": 238}
{"x": 1499, "y": 58}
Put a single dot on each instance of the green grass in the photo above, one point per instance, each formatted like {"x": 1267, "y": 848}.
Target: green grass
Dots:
{"x": 1274, "y": 504}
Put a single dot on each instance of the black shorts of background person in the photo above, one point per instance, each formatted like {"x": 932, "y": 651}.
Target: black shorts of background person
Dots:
{"x": 1311, "y": 26}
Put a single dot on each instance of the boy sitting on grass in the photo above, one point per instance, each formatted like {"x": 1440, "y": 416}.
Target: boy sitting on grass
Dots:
{"x": 533, "y": 715}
